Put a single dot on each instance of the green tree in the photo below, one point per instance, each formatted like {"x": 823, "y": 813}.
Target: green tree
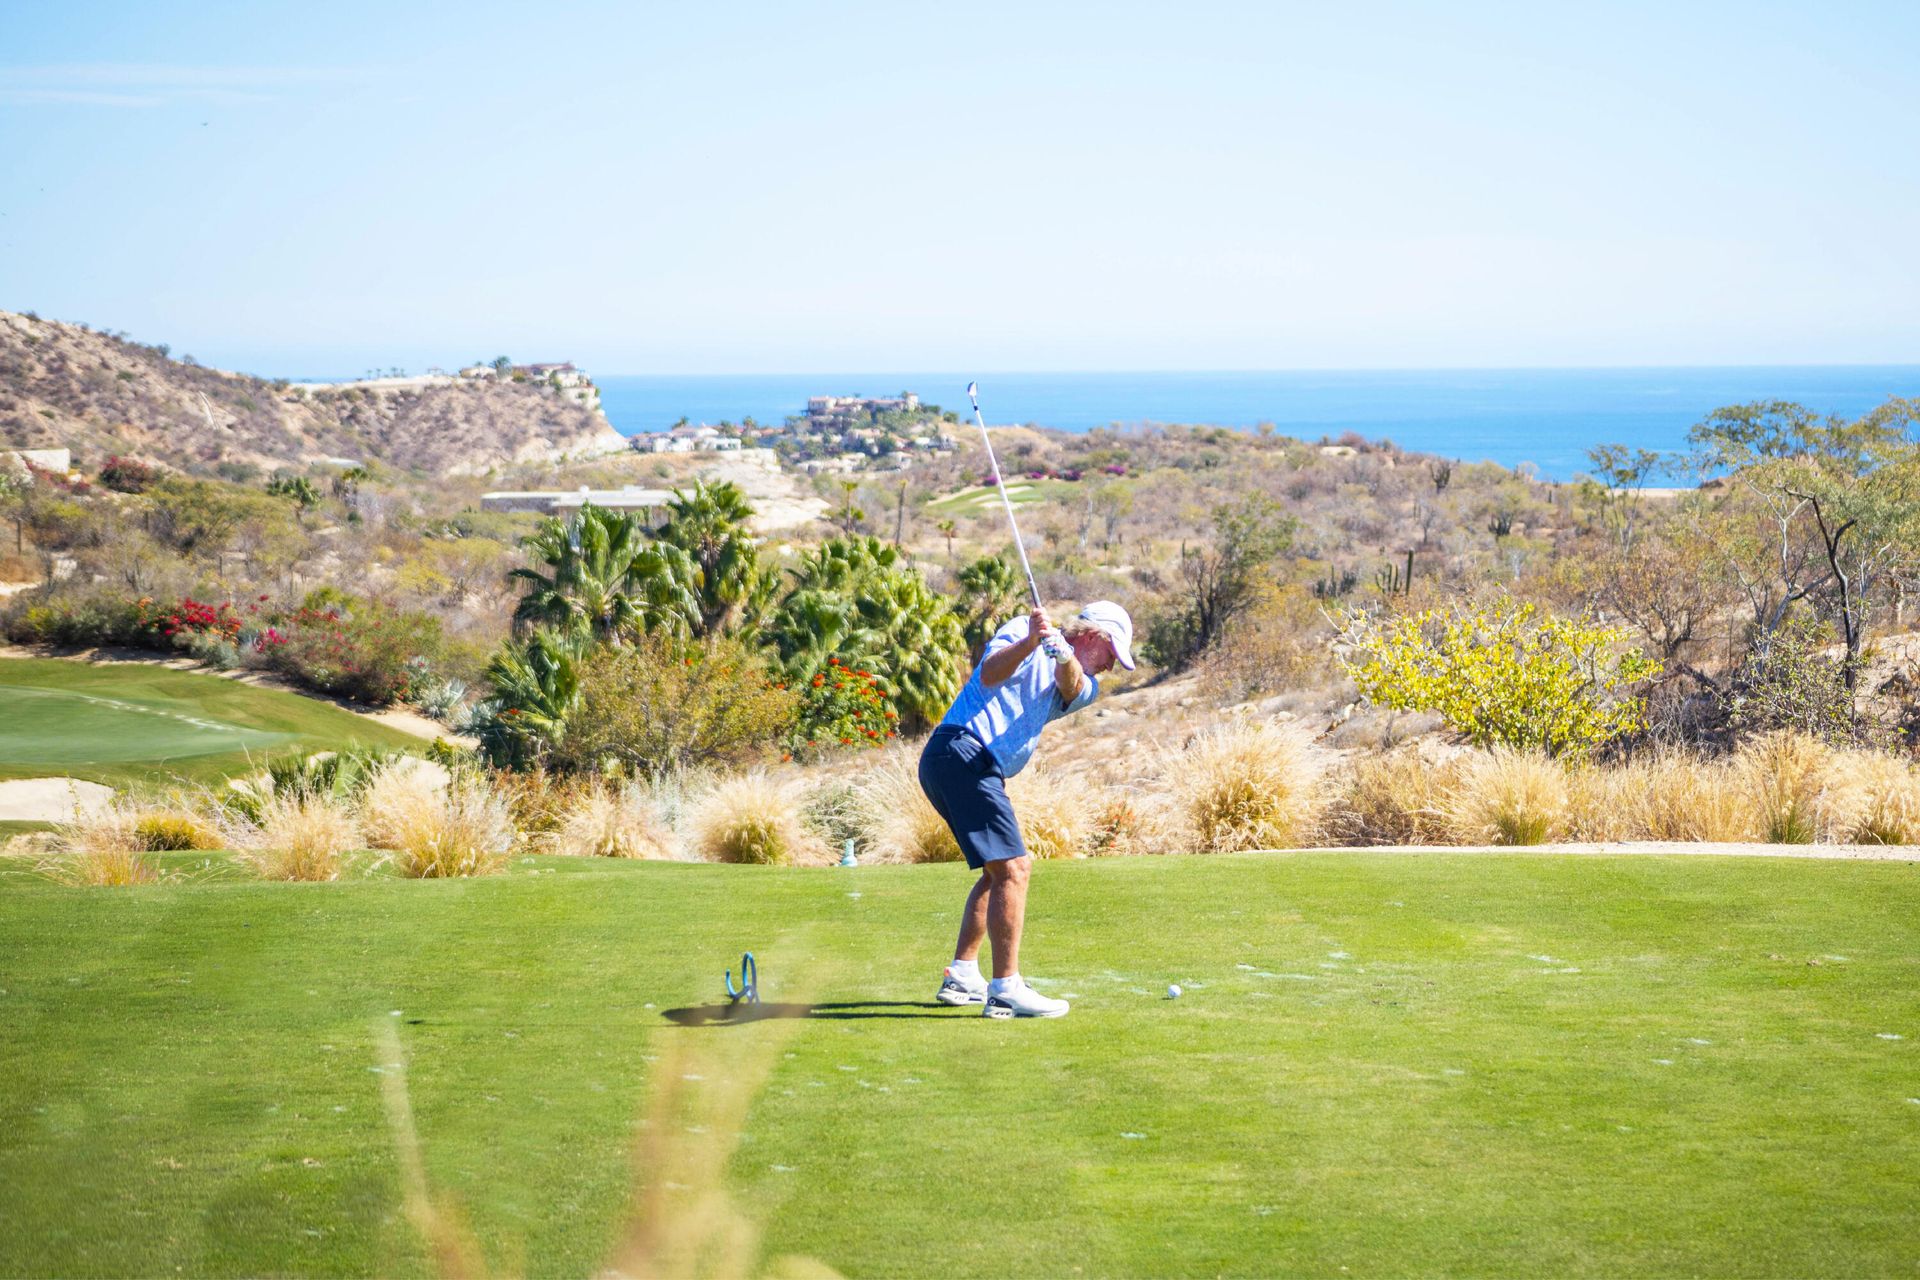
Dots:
{"x": 298, "y": 489}
{"x": 1502, "y": 675}
{"x": 581, "y": 580}
{"x": 536, "y": 685}
{"x": 1220, "y": 579}
{"x": 710, "y": 524}
{"x": 857, "y": 600}
{"x": 947, "y": 529}
{"x": 991, "y": 593}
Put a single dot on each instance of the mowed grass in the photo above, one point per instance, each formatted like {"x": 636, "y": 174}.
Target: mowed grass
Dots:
{"x": 1384, "y": 1064}
{"x": 1020, "y": 491}
{"x": 129, "y": 722}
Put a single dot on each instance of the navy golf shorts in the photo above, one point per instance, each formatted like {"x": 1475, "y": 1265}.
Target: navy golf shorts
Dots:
{"x": 962, "y": 779}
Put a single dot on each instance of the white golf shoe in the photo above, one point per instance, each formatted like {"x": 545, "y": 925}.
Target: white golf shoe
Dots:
{"x": 1022, "y": 1001}
{"x": 956, "y": 989}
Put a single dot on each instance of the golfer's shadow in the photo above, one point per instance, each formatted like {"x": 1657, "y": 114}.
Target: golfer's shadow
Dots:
{"x": 710, "y": 1015}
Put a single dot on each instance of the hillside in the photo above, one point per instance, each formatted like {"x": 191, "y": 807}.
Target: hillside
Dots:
{"x": 68, "y": 385}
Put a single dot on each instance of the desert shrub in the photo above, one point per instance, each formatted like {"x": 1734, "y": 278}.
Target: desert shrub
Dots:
{"x": 1055, "y": 818}
{"x": 619, "y": 821}
{"x": 127, "y": 475}
{"x": 363, "y": 650}
{"x": 298, "y": 836}
{"x": 843, "y": 705}
{"x": 1784, "y": 777}
{"x": 665, "y": 706}
{"x": 466, "y": 829}
{"x": 1120, "y": 825}
{"x": 1283, "y": 642}
{"x": 174, "y": 830}
{"x": 539, "y": 801}
{"x": 1246, "y": 786}
{"x": 1508, "y": 797}
{"x": 832, "y": 810}
{"x": 1396, "y": 798}
{"x": 83, "y": 621}
{"x": 1794, "y": 686}
{"x": 898, "y": 822}
{"x": 334, "y": 775}
{"x": 755, "y": 818}
{"x": 1877, "y": 799}
{"x": 1499, "y": 676}
{"x": 102, "y": 849}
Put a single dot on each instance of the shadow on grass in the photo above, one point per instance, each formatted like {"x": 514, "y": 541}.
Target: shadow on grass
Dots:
{"x": 711, "y": 1015}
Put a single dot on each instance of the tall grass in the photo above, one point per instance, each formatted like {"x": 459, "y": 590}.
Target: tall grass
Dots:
{"x": 175, "y": 831}
{"x": 298, "y": 836}
{"x": 754, "y": 817}
{"x": 1785, "y": 776}
{"x": 1246, "y": 786}
{"x": 1055, "y": 818}
{"x": 102, "y": 848}
{"x": 466, "y": 829}
{"x": 1874, "y": 799}
{"x": 1508, "y": 798}
{"x": 612, "y": 822}
{"x": 1395, "y": 798}
{"x": 896, "y": 818}
{"x": 1688, "y": 798}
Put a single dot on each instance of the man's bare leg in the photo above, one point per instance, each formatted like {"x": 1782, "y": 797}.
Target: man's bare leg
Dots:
{"x": 1007, "y": 912}
{"x": 973, "y": 921}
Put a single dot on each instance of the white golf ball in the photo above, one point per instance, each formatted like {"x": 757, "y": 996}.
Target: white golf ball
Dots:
{"x": 1173, "y": 991}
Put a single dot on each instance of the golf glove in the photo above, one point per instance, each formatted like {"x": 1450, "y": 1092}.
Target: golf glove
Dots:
{"x": 1057, "y": 647}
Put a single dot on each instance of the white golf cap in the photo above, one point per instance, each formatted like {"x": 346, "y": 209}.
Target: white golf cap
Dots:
{"x": 1113, "y": 620}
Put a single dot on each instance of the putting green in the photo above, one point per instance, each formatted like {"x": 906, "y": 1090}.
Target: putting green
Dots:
{"x": 86, "y": 728}
{"x": 122, "y": 722}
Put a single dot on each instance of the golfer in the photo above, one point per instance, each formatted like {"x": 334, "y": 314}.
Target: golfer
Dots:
{"x": 1029, "y": 675}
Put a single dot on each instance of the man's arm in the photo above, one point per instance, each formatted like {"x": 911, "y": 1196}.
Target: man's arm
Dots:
{"x": 998, "y": 667}
{"x": 1068, "y": 678}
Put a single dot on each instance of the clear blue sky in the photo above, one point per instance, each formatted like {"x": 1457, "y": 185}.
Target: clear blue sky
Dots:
{"x": 690, "y": 188}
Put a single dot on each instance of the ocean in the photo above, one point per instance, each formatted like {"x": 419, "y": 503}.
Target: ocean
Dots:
{"x": 1548, "y": 417}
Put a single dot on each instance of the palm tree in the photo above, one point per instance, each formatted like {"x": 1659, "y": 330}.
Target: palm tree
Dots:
{"x": 710, "y": 524}
{"x": 587, "y": 583}
{"x": 857, "y": 600}
{"x": 536, "y": 684}
{"x": 947, "y": 529}
{"x": 992, "y": 595}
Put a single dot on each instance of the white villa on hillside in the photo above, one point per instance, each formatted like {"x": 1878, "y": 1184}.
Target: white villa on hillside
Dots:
{"x": 700, "y": 439}
{"x": 650, "y": 503}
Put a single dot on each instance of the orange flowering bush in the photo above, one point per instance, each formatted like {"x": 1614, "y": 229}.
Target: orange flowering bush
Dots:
{"x": 841, "y": 706}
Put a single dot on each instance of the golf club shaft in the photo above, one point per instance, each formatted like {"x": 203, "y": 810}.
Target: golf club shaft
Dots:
{"x": 1005, "y": 501}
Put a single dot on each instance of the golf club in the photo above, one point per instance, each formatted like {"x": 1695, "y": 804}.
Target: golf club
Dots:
{"x": 993, "y": 463}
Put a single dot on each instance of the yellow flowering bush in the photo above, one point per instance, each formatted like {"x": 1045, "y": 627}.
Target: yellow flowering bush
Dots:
{"x": 1503, "y": 675}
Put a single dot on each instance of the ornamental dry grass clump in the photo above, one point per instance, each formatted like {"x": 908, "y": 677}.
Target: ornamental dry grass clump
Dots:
{"x": 397, "y": 798}
{"x": 1508, "y": 797}
{"x": 612, "y": 822}
{"x": 298, "y": 837}
{"x": 754, "y": 818}
{"x": 1607, "y": 803}
{"x": 101, "y": 849}
{"x": 1692, "y": 798}
{"x": 1055, "y": 818}
{"x": 1784, "y": 777}
{"x": 896, "y": 820}
{"x": 175, "y": 831}
{"x": 1246, "y": 786}
{"x": 1396, "y": 798}
{"x": 466, "y": 830}
{"x": 1875, "y": 799}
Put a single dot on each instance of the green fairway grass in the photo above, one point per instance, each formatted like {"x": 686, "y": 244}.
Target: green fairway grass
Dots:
{"x": 1383, "y": 1064}
{"x": 125, "y": 722}
{"x": 1020, "y": 492}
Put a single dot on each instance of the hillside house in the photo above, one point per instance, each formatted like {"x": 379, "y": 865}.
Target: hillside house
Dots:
{"x": 650, "y": 504}
{"x": 700, "y": 439}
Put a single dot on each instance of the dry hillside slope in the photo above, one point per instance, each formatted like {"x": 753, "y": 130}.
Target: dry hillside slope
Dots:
{"x": 67, "y": 385}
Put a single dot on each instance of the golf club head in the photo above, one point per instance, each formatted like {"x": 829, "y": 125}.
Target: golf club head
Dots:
{"x": 973, "y": 395}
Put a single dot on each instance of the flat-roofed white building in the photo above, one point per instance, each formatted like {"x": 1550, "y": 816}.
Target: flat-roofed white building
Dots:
{"x": 650, "y": 503}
